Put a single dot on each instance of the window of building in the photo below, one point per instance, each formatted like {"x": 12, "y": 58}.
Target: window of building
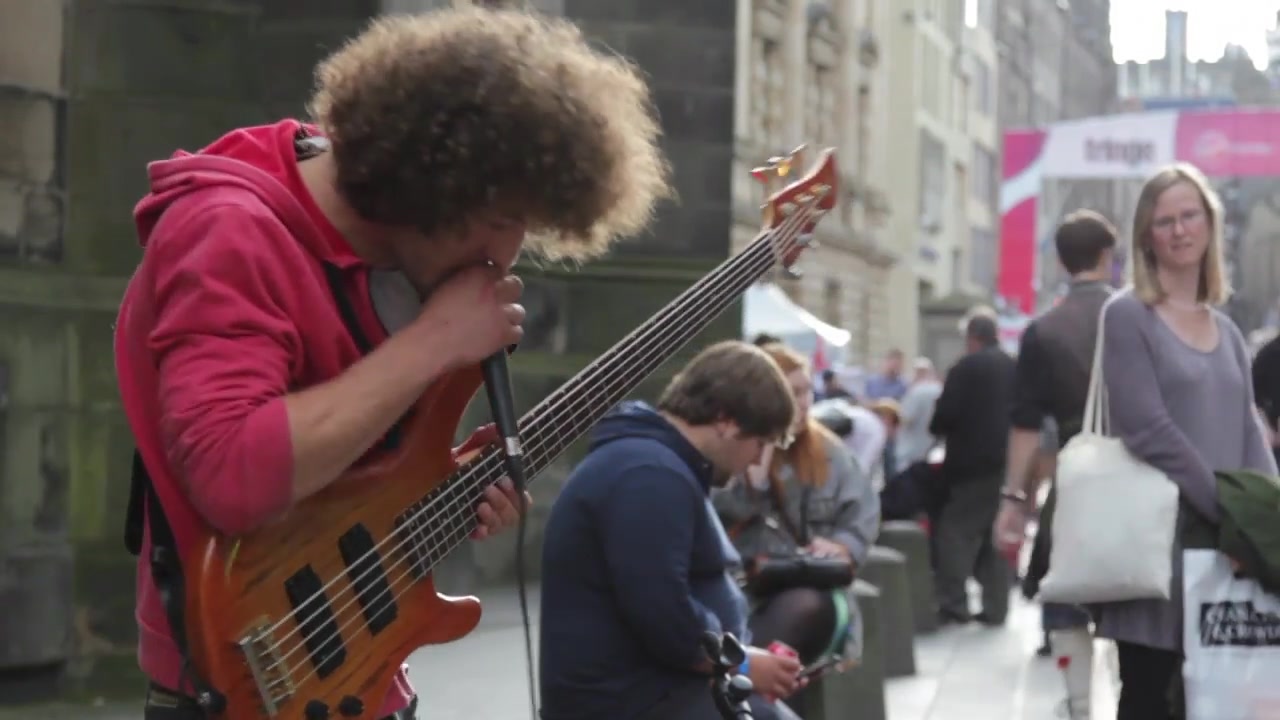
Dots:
{"x": 933, "y": 183}
{"x": 767, "y": 89}
{"x": 985, "y": 176}
{"x": 983, "y": 97}
{"x": 822, "y": 111}
{"x": 957, "y": 269}
{"x": 982, "y": 257}
{"x": 930, "y": 72}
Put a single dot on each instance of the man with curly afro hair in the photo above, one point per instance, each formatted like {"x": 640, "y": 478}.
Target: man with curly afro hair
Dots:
{"x": 302, "y": 284}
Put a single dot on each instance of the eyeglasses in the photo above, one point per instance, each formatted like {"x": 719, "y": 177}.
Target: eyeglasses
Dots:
{"x": 1188, "y": 219}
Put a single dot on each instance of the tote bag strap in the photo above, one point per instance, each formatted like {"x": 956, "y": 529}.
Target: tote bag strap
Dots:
{"x": 1096, "y": 412}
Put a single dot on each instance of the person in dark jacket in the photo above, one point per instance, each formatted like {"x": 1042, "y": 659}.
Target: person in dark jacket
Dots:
{"x": 1266, "y": 388}
{"x": 972, "y": 416}
{"x": 636, "y": 565}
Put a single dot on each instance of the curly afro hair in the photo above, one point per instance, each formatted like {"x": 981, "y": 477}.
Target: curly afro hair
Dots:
{"x": 435, "y": 117}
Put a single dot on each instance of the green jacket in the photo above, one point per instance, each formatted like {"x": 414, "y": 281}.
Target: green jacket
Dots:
{"x": 1250, "y": 529}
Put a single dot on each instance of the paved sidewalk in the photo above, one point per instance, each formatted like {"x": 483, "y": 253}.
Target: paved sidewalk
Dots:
{"x": 967, "y": 673}
{"x": 973, "y": 672}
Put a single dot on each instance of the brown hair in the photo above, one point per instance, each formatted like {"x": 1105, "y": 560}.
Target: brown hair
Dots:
{"x": 712, "y": 387}
{"x": 1214, "y": 288}
{"x": 438, "y": 116}
{"x": 1081, "y": 239}
{"x": 809, "y": 452}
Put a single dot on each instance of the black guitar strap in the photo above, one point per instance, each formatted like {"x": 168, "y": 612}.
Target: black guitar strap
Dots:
{"x": 166, "y": 573}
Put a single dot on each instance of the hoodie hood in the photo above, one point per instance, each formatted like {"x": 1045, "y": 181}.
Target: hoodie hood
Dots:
{"x": 635, "y": 419}
{"x": 261, "y": 160}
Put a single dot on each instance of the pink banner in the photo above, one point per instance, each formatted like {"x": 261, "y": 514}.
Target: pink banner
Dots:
{"x": 1018, "y": 208}
{"x": 1230, "y": 142}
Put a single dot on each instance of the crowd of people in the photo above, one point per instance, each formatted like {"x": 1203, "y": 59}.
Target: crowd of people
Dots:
{"x": 1177, "y": 376}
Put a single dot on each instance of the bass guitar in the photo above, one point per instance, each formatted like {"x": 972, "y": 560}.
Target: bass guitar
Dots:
{"x": 311, "y": 617}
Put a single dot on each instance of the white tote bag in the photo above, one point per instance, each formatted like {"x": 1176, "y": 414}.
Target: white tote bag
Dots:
{"x": 1231, "y": 637}
{"x": 1115, "y": 519}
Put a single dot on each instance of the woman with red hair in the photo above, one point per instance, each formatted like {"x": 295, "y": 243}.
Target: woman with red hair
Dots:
{"x": 809, "y": 497}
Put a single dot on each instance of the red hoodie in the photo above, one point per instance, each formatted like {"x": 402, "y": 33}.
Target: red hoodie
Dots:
{"x": 229, "y": 310}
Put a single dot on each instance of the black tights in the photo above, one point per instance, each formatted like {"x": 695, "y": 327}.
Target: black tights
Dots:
{"x": 803, "y": 618}
{"x": 1148, "y": 690}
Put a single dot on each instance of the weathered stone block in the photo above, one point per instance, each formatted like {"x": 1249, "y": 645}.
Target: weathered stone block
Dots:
{"x": 705, "y": 115}
{"x": 287, "y": 57}
{"x": 295, "y": 12}
{"x": 694, "y": 57}
{"x": 178, "y": 49}
{"x": 692, "y": 231}
{"x": 92, "y": 365}
{"x": 29, "y": 136}
{"x": 698, "y": 174}
{"x": 31, "y": 222}
{"x": 676, "y": 13}
{"x": 35, "y": 592}
{"x": 111, "y": 140}
{"x": 31, "y": 46}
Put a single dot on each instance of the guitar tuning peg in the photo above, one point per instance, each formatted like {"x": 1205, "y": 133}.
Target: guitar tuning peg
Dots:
{"x": 796, "y": 156}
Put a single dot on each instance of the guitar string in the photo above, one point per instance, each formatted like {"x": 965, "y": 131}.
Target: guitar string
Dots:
{"x": 455, "y": 507}
{"x": 395, "y": 586}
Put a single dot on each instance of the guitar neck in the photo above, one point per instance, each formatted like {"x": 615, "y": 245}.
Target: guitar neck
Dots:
{"x": 551, "y": 426}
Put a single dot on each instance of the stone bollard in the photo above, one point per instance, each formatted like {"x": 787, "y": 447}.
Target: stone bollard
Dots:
{"x": 886, "y": 568}
{"x": 908, "y": 538}
{"x": 858, "y": 692}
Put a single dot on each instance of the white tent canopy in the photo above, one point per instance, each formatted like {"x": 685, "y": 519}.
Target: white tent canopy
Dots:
{"x": 767, "y": 309}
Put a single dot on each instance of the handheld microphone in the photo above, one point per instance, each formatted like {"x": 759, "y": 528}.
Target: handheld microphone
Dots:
{"x": 497, "y": 384}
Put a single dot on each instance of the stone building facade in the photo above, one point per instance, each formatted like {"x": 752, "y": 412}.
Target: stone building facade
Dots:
{"x": 811, "y": 72}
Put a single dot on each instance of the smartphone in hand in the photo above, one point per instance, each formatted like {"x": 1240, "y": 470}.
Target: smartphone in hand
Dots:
{"x": 820, "y": 668}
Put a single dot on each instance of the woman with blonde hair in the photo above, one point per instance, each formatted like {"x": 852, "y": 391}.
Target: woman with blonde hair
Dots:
{"x": 1176, "y": 370}
{"x": 810, "y": 497}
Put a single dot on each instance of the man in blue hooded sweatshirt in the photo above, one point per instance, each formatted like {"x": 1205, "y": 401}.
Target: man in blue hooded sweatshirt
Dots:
{"x": 636, "y": 566}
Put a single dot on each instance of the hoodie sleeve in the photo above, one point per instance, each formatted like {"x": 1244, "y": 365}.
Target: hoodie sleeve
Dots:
{"x": 222, "y": 344}
{"x": 648, "y": 531}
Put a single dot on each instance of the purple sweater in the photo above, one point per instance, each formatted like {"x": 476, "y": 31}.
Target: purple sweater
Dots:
{"x": 1185, "y": 412}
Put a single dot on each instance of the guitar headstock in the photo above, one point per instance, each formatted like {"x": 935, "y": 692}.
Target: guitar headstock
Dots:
{"x": 793, "y": 210}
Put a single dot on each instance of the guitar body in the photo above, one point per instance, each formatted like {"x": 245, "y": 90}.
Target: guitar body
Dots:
{"x": 245, "y": 635}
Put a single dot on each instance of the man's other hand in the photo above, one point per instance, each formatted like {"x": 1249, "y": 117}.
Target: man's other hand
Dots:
{"x": 500, "y": 507}
{"x": 499, "y": 510}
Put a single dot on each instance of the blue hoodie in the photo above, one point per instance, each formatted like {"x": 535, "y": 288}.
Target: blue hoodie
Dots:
{"x": 635, "y": 570}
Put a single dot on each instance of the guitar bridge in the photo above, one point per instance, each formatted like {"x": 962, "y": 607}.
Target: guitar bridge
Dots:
{"x": 266, "y": 665}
